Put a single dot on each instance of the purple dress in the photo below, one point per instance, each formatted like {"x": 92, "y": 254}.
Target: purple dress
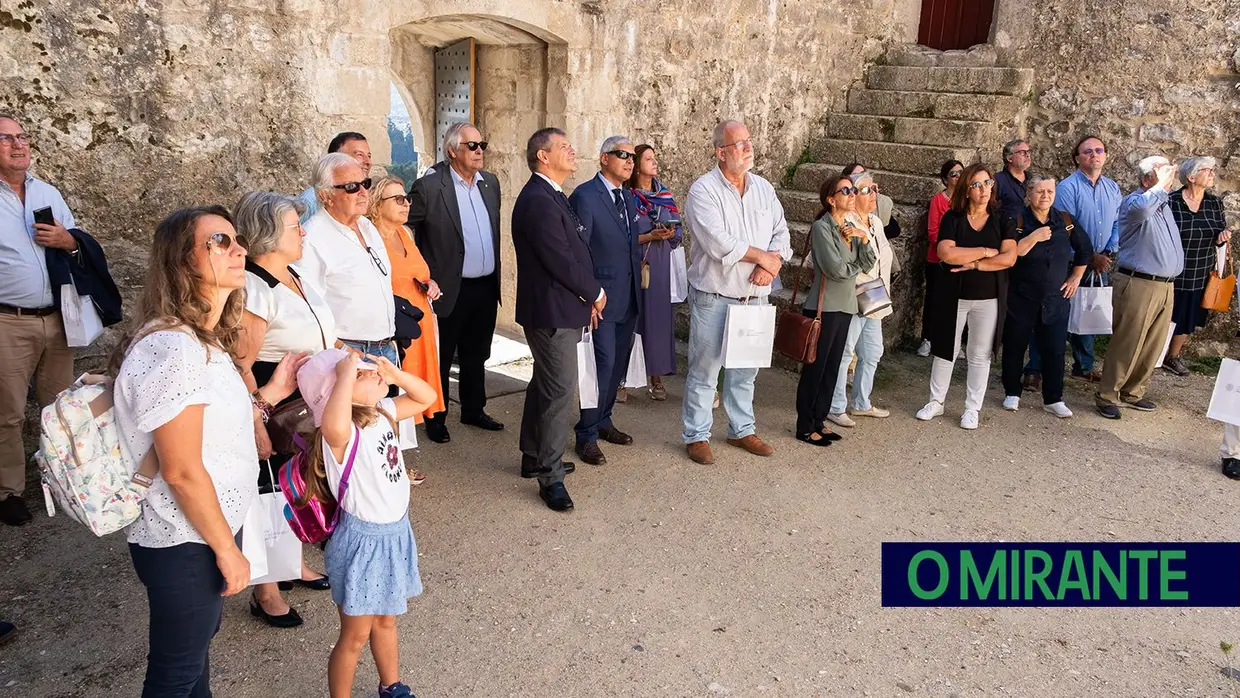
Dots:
{"x": 655, "y": 324}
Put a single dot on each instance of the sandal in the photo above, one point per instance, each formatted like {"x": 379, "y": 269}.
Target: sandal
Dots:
{"x": 417, "y": 477}
{"x": 809, "y": 439}
{"x": 656, "y": 390}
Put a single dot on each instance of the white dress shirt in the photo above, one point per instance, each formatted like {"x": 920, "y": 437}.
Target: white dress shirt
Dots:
{"x": 348, "y": 274}
{"x": 724, "y": 225}
{"x": 23, "y": 265}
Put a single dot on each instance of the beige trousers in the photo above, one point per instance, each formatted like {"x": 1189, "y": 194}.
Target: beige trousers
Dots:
{"x": 1141, "y": 319}
{"x": 30, "y": 347}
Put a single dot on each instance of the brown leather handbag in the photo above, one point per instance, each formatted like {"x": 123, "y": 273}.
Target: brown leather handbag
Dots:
{"x": 796, "y": 336}
{"x": 1219, "y": 289}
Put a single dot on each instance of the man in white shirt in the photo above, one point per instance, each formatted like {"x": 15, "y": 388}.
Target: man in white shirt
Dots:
{"x": 345, "y": 259}
{"x": 350, "y": 143}
{"x": 32, "y": 334}
{"x": 740, "y": 241}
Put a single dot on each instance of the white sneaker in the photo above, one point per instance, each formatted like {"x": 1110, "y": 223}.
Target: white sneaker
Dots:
{"x": 968, "y": 420}
{"x": 876, "y": 412}
{"x": 841, "y": 419}
{"x": 1011, "y": 403}
{"x": 924, "y": 349}
{"x": 930, "y": 411}
{"x": 1058, "y": 409}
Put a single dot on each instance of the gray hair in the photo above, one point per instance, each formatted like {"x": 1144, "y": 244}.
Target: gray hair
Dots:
{"x": 258, "y": 217}
{"x": 1035, "y": 180}
{"x": 10, "y": 117}
{"x": 1148, "y": 165}
{"x": 540, "y": 141}
{"x": 858, "y": 177}
{"x": 612, "y": 143}
{"x": 1189, "y": 167}
{"x": 1011, "y": 146}
{"x": 452, "y": 137}
{"x": 721, "y": 131}
{"x": 325, "y": 171}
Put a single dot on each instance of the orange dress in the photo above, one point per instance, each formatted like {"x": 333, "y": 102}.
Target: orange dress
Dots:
{"x": 422, "y": 356}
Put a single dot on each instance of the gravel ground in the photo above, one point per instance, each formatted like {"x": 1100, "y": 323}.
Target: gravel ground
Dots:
{"x": 751, "y": 577}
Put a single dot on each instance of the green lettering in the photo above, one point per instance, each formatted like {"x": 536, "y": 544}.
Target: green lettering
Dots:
{"x": 1166, "y": 575}
{"x": 970, "y": 576}
{"x": 1073, "y": 565}
{"x": 1015, "y": 566}
{"x": 1143, "y": 572}
{"x": 1039, "y": 576}
{"x": 944, "y": 575}
{"x": 1102, "y": 568}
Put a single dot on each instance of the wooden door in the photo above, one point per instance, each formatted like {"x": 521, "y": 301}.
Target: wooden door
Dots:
{"x": 955, "y": 24}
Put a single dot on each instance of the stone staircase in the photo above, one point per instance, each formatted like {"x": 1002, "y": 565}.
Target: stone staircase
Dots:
{"x": 912, "y": 112}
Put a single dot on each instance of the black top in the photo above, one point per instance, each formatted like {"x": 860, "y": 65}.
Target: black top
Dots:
{"x": 1036, "y": 279}
{"x": 977, "y": 285}
{"x": 1199, "y": 232}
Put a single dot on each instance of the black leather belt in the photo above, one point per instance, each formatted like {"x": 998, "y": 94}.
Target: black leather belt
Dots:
{"x": 33, "y": 312}
{"x": 1142, "y": 275}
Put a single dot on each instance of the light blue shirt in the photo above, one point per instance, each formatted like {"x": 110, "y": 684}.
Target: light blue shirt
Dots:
{"x": 23, "y": 264}
{"x": 1149, "y": 240}
{"x": 311, "y": 200}
{"x": 475, "y": 227}
{"x": 1094, "y": 206}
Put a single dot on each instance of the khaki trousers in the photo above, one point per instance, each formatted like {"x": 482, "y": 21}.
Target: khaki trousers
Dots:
{"x": 1141, "y": 319}
{"x": 29, "y": 347}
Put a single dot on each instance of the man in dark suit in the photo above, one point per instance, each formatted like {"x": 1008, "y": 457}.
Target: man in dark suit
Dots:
{"x": 609, "y": 216}
{"x": 557, "y": 297}
{"x": 454, "y": 214}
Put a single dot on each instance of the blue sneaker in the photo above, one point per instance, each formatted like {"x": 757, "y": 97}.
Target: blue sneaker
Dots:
{"x": 396, "y": 690}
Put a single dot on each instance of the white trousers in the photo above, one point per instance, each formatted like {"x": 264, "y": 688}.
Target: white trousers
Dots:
{"x": 981, "y": 318}
{"x": 1231, "y": 441}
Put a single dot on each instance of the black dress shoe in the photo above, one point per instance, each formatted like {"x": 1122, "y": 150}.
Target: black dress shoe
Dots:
{"x": 13, "y": 511}
{"x": 591, "y": 453}
{"x": 530, "y": 470}
{"x": 1231, "y": 468}
{"x": 437, "y": 431}
{"x": 292, "y": 619}
{"x": 320, "y": 584}
{"x": 482, "y": 420}
{"x": 615, "y": 436}
{"x": 1141, "y": 405}
{"x": 8, "y": 631}
{"x": 1108, "y": 410}
{"x": 556, "y": 497}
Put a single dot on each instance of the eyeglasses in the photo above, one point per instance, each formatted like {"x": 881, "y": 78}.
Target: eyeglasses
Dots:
{"x": 221, "y": 243}
{"x": 955, "y": 174}
{"x": 740, "y": 145}
{"x": 1094, "y": 151}
{"x": 378, "y": 262}
{"x": 474, "y": 145}
{"x": 1021, "y": 152}
{"x": 622, "y": 154}
{"x": 353, "y": 187}
{"x": 400, "y": 199}
{"x": 846, "y": 191}
{"x": 872, "y": 189}
{"x": 984, "y": 184}
{"x": 9, "y": 139}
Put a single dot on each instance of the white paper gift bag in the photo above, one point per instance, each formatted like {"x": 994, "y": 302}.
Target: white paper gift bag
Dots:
{"x": 281, "y": 548}
{"x": 680, "y": 276}
{"x": 749, "y": 336}
{"x": 587, "y": 372}
{"x": 1090, "y": 312}
{"x": 636, "y": 376}
{"x": 253, "y": 540}
{"x": 1166, "y": 347}
{"x": 1225, "y": 402}
{"x": 81, "y": 318}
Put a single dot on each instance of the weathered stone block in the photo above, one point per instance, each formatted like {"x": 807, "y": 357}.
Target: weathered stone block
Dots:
{"x": 341, "y": 91}
{"x": 896, "y": 157}
{"x": 891, "y": 103}
{"x": 1008, "y": 81}
{"x": 906, "y": 188}
{"x": 975, "y": 107}
{"x": 799, "y": 205}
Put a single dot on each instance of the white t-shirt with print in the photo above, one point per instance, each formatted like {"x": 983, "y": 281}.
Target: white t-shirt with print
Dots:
{"x": 163, "y": 373}
{"x": 378, "y": 484}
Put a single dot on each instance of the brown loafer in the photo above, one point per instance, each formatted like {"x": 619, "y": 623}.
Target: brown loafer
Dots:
{"x": 591, "y": 453}
{"x": 699, "y": 452}
{"x": 622, "y": 395}
{"x": 615, "y": 436}
{"x": 753, "y": 444}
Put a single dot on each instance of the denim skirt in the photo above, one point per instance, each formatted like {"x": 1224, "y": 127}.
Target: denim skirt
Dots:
{"x": 373, "y": 566}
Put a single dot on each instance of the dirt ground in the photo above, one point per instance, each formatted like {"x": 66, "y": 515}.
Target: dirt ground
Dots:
{"x": 752, "y": 577}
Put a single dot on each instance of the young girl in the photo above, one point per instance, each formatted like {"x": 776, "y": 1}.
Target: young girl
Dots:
{"x": 371, "y": 557}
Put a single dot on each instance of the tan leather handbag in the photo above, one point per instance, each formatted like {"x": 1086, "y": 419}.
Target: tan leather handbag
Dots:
{"x": 1219, "y": 289}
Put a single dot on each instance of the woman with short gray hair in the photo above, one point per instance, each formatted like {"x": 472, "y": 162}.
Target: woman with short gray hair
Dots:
{"x": 282, "y": 314}
{"x": 1199, "y": 215}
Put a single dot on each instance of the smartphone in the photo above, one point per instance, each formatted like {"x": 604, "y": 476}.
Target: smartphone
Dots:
{"x": 671, "y": 222}
{"x": 44, "y": 216}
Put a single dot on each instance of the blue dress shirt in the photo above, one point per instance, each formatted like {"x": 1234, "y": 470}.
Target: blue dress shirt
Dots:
{"x": 23, "y": 263}
{"x": 1011, "y": 193}
{"x": 475, "y": 227}
{"x": 1149, "y": 240}
{"x": 311, "y": 200}
{"x": 1094, "y": 206}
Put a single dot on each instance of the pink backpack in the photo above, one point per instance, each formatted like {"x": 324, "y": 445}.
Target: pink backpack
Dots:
{"x": 314, "y": 521}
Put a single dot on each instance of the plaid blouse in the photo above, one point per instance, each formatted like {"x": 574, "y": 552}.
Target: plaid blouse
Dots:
{"x": 1199, "y": 231}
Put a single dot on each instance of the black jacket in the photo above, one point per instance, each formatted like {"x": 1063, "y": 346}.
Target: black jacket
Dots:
{"x": 555, "y": 270}
{"x": 88, "y": 273}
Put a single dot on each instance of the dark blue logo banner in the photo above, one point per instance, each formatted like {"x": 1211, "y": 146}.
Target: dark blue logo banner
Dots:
{"x": 1061, "y": 574}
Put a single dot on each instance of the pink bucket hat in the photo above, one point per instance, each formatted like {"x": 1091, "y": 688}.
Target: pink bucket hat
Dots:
{"x": 317, "y": 377}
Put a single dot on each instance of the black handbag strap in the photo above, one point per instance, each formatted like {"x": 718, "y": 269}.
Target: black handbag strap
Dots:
{"x": 301, "y": 291}
{"x": 822, "y": 287}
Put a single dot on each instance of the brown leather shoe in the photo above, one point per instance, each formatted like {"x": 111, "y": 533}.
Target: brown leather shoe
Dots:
{"x": 615, "y": 436}
{"x": 753, "y": 444}
{"x": 699, "y": 452}
{"x": 591, "y": 453}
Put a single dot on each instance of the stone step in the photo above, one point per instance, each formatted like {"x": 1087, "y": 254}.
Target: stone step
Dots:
{"x": 922, "y": 160}
{"x": 980, "y": 56}
{"x": 799, "y": 206}
{"x": 788, "y": 272}
{"x": 906, "y": 188}
{"x": 914, "y": 131}
{"x": 932, "y": 105}
{"x": 989, "y": 81}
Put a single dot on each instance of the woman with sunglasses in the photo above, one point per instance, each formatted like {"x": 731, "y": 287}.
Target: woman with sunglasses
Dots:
{"x": 977, "y": 249}
{"x": 841, "y": 251}
{"x": 178, "y": 391}
{"x": 949, "y": 174}
{"x": 411, "y": 280}
{"x": 346, "y": 260}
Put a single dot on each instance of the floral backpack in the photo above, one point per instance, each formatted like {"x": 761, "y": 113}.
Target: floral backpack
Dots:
{"x": 85, "y": 471}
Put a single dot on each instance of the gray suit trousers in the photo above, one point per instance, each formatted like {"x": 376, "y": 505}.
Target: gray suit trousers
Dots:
{"x": 549, "y": 409}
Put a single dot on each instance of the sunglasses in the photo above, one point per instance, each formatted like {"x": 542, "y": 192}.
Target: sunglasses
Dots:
{"x": 872, "y": 189}
{"x": 1094, "y": 151}
{"x": 846, "y": 191}
{"x": 353, "y": 187}
{"x": 984, "y": 184}
{"x": 622, "y": 154}
{"x": 474, "y": 145}
{"x": 221, "y": 243}
{"x": 399, "y": 198}
{"x": 955, "y": 174}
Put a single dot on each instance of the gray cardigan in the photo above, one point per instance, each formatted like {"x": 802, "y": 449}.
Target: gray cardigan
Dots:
{"x": 837, "y": 264}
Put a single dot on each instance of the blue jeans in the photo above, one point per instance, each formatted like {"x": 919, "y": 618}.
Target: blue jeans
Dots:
{"x": 866, "y": 336}
{"x": 183, "y": 586}
{"x": 1035, "y": 360}
{"x": 708, "y": 313}
{"x": 385, "y": 349}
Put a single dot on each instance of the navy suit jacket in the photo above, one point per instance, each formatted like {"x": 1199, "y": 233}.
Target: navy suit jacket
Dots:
{"x": 617, "y": 257}
{"x": 555, "y": 274}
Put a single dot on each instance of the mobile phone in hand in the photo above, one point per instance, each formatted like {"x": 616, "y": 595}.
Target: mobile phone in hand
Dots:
{"x": 44, "y": 216}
